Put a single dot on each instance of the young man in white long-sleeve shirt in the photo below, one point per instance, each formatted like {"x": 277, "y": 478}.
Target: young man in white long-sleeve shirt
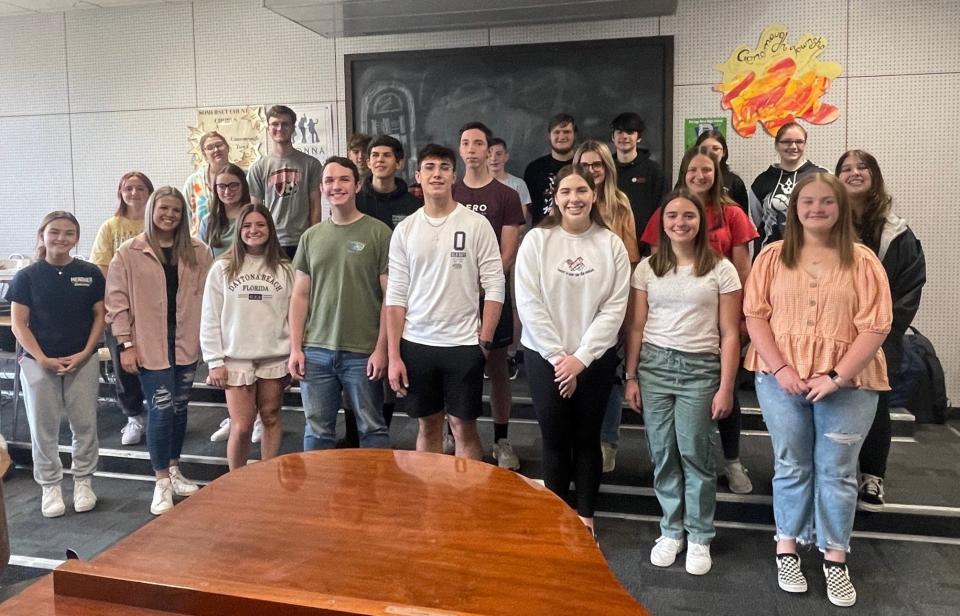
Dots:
{"x": 337, "y": 338}
{"x": 440, "y": 258}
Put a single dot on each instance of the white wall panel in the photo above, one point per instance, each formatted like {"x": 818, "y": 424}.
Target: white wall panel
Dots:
{"x": 898, "y": 120}
{"x": 34, "y": 177}
{"x": 33, "y": 72}
{"x": 103, "y": 150}
{"x": 131, "y": 58}
{"x": 893, "y": 37}
{"x": 247, "y": 54}
{"x": 707, "y": 31}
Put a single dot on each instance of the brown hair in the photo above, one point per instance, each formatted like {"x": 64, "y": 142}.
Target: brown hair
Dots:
{"x": 665, "y": 260}
{"x": 182, "y": 242}
{"x": 122, "y": 206}
{"x": 281, "y": 110}
{"x": 273, "y": 253}
{"x": 613, "y": 204}
{"x": 49, "y": 218}
{"x": 217, "y": 221}
{"x": 787, "y": 127}
{"x": 554, "y": 217}
{"x": 717, "y": 199}
{"x": 877, "y": 205}
{"x": 842, "y": 236}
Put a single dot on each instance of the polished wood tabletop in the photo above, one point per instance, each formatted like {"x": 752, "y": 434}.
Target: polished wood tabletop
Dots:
{"x": 348, "y": 532}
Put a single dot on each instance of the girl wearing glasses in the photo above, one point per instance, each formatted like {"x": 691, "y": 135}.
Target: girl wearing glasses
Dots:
{"x": 230, "y": 194}
{"x": 729, "y": 233}
{"x": 198, "y": 189}
{"x": 770, "y": 192}
{"x": 614, "y": 208}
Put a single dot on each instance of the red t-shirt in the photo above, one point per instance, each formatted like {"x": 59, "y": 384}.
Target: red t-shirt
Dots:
{"x": 499, "y": 203}
{"x": 737, "y": 230}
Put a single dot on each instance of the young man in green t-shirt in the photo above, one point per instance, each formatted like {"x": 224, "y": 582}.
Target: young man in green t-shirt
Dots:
{"x": 337, "y": 342}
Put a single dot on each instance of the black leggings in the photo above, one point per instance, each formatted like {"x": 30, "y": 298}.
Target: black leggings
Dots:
{"x": 729, "y": 428}
{"x": 876, "y": 447}
{"x": 570, "y": 427}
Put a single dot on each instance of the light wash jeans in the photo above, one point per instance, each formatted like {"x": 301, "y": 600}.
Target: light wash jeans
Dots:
{"x": 168, "y": 394}
{"x": 49, "y": 397}
{"x": 327, "y": 375}
{"x": 677, "y": 389}
{"x": 815, "y": 449}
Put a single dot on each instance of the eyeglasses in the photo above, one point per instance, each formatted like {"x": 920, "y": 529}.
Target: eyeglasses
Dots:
{"x": 597, "y": 166}
{"x": 229, "y": 186}
{"x": 789, "y": 142}
{"x": 213, "y": 147}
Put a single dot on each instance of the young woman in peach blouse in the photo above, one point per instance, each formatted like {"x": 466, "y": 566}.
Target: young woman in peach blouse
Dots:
{"x": 818, "y": 308}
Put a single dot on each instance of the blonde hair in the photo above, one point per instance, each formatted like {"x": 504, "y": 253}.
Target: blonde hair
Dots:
{"x": 613, "y": 204}
{"x": 842, "y": 235}
{"x": 182, "y": 242}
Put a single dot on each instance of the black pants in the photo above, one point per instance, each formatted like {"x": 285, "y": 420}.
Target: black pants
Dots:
{"x": 570, "y": 427}
{"x": 129, "y": 391}
{"x": 729, "y": 428}
{"x": 876, "y": 447}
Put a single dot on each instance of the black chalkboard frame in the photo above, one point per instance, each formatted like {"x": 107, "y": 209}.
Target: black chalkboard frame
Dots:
{"x": 658, "y": 136}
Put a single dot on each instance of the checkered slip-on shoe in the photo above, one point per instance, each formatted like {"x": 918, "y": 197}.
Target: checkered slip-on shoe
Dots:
{"x": 840, "y": 589}
{"x": 789, "y": 576}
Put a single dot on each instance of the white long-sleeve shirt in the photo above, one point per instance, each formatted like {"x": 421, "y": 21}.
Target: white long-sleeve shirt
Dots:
{"x": 245, "y": 316}
{"x": 437, "y": 268}
{"x": 572, "y": 292}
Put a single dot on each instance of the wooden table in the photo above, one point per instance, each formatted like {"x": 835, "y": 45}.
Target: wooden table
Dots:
{"x": 348, "y": 532}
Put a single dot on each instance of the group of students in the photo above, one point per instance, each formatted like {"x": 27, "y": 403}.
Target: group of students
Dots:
{"x": 396, "y": 296}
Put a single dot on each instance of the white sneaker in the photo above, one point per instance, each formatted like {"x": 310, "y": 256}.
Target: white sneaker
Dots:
{"x": 222, "y": 433}
{"x": 505, "y": 456}
{"x": 609, "y": 451}
{"x": 83, "y": 497}
{"x": 257, "y": 432}
{"x": 132, "y": 433}
{"x": 51, "y": 505}
{"x": 162, "y": 497}
{"x": 181, "y": 485}
{"x": 665, "y": 551}
{"x": 698, "y": 559}
{"x": 737, "y": 477}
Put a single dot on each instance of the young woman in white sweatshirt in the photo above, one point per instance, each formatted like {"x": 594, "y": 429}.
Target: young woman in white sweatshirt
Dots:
{"x": 683, "y": 350}
{"x": 572, "y": 283}
{"x": 244, "y": 334}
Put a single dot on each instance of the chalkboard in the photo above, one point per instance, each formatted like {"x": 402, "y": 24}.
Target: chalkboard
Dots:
{"x": 426, "y": 96}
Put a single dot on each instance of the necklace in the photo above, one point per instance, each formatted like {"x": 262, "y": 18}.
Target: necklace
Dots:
{"x": 437, "y": 226}
{"x": 60, "y": 268}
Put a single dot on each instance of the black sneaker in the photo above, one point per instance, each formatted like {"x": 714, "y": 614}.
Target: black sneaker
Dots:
{"x": 512, "y": 368}
{"x": 840, "y": 589}
{"x": 871, "y": 493}
{"x": 789, "y": 576}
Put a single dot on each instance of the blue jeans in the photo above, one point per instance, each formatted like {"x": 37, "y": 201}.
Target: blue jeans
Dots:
{"x": 327, "y": 375}
{"x": 613, "y": 411}
{"x": 815, "y": 449}
{"x": 167, "y": 393}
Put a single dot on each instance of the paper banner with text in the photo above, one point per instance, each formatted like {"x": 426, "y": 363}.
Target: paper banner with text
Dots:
{"x": 692, "y": 127}
{"x": 777, "y": 82}
{"x": 242, "y": 127}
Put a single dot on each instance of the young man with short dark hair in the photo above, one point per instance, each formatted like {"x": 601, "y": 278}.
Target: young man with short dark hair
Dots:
{"x": 357, "y": 149}
{"x": 286, "y": 180}
{"x": 497, "y": 164}
{"x": 500, "y": 205}
{"x": 639, "y": 176}
{"x": 440, "y": 259}
{"x": 562, "y": 132}
{"x": 338, "y": 342}
{"x": 383, "y": 195}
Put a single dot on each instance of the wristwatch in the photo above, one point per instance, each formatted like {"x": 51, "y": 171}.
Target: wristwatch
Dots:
{"x": 486, "y": 345}
{"x": 127, "y": 345}
{"x": 836, "y": 378}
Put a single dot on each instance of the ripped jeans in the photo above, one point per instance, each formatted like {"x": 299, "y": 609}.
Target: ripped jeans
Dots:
{"x": 167, "y": 392}
{"x": 815, "y": 449}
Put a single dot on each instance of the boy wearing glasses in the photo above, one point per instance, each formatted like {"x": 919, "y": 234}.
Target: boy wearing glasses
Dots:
{"x": 286, "y": 180}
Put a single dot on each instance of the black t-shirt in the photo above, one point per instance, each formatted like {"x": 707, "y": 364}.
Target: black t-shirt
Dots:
{"x": 61, "y": 301}
{"x": 643, "y": 182}
{"x": 388, "y": 208}
{"x": 539, "y": 178}
{"x": 173, "y": 283}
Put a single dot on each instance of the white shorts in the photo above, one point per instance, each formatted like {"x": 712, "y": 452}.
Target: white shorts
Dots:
{"x": 248, "y": 371}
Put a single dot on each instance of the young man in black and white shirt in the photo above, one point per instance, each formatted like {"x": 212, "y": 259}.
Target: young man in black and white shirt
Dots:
{"x": 440, "y": 259}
